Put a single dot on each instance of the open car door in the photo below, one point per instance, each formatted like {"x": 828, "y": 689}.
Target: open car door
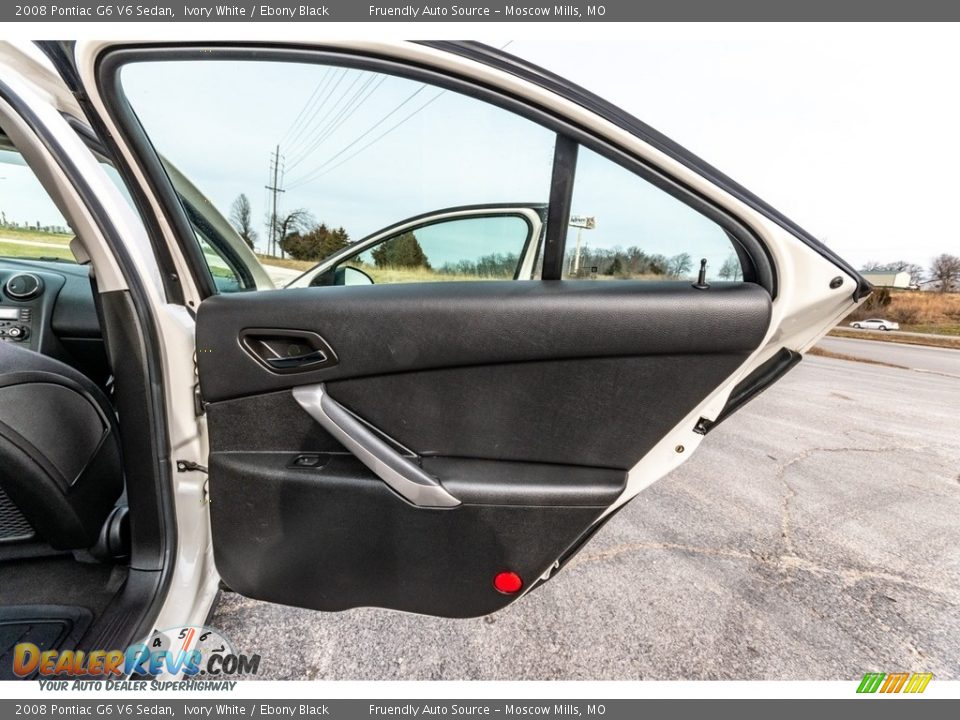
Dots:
{"x": 443, "y": 447}
{"x": 520, "y": 224}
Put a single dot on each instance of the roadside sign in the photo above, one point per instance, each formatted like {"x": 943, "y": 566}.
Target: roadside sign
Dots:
{"x": 587, "y": 222}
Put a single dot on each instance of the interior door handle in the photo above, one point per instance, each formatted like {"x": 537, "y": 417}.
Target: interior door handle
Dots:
{"x": 288, "y": 363}
{"x": 287, "y": 351}
{"x": 405, "y": 477}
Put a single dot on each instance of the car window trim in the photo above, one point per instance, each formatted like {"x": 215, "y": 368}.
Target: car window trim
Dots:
{"x": 565, "y": 153}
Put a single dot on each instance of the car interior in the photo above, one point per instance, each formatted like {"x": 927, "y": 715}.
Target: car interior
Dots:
{"x": 64, "y": 520}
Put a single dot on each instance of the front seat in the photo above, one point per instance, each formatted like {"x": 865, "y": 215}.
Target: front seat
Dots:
{"x": 60, "y": 465}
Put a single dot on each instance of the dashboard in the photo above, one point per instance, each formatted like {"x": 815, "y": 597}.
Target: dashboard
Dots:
{"x": 48, "y": 307}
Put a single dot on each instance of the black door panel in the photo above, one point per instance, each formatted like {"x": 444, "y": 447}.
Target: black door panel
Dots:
{"x": 601, "y": 412}
{"x": 338, "y": 538}
{"x": 527, "y": 401}
{"x": 383, "y": 329}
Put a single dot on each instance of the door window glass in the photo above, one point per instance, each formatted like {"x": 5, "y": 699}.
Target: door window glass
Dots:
{"x": 311, "y": 147}
{"x": 623, "y": 226}
{"x": 476, "y": 248}
{"x": 31, "y": 226}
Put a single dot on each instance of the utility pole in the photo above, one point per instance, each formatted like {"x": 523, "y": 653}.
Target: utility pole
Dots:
{"x": 580, "y": 222}
{"x": 275, "y": 189}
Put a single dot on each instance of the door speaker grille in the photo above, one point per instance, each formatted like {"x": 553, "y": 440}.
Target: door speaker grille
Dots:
{"x": 13, "y": 525}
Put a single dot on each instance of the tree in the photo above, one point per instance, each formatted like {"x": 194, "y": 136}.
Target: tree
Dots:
{"x": 731, "y": 270}
{"x": 945, "y": 271}
{"x": 241, "y": 220}
{"x": 316, "y": 243}
{"x": 916, "y": 272}
{"x": 294, "y": 221}
{"x": 616, "y": 267}
{"x": 401, "y": 251}
{"x": 679, "y": 265}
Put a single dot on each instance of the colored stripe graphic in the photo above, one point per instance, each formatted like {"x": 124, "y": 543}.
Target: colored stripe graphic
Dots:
{"x": 894, "y": 682}
{"x": 871, "y": 682}
{"x": 918, "y": 683}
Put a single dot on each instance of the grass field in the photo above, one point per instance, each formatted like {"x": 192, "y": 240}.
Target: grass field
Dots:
{"x": 944, "y": 341}
{"x": 381, "y": 276}
{"x": 32, "y": 244}
{"x": 387, "y": 275}
{"x": 18, "y": 250}
{"x": 35, "y": 235}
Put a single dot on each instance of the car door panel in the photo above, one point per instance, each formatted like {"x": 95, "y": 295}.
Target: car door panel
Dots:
{"x": 603, "y": 412}
{"x": 528, "y": 402}
{"x": 418, "y": 326}
{"x": 336, "y": 538}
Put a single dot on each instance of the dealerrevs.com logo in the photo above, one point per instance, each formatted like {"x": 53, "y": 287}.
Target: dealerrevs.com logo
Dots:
{"x": 890, "y": 683}
{"x": 188, "y": 651}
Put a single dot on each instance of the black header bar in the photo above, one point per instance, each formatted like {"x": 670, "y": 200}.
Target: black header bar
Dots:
{"x": 314, "y": 11}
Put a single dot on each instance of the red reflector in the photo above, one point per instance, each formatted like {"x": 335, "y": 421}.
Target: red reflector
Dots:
{"x": 508, "y": 582}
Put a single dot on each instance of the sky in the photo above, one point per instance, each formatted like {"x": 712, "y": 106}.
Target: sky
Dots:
{"x": 852, "y": 131}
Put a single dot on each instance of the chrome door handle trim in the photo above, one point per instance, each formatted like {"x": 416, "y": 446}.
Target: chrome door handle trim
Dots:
{"x": 406, "y": 478}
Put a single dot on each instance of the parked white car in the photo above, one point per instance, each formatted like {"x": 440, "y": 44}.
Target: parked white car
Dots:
{"x": 875, "y": 324}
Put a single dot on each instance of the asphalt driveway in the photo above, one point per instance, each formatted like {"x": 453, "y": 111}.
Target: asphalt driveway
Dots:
{"x": 816, "y": 535}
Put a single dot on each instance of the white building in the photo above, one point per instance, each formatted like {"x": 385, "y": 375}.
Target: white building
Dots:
{"x": 888, "y": 279}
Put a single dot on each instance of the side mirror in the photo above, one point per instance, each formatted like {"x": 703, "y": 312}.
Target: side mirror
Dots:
{"x": 346, "y": 275}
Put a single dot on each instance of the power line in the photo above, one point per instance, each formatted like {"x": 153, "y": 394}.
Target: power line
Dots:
{"x": 303, "y": 110}
{"x": 379, "y": 137}
{"x": 318, "y": 99}
{"x": 324, "y": 168}
{"x": 324, "y": 122}
{"x": 313, "y": 173}
{"x": 299, "y": 138}
{"x": 345, "y": 113}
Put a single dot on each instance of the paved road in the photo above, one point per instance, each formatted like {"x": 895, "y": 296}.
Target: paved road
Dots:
{"x": 916, "y": 357}
{"x": 281, "y": 275}
{"x": 813, "y": 536}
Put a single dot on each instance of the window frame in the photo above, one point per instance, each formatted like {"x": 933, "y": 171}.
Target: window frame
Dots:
{"x": 756, "y": 260}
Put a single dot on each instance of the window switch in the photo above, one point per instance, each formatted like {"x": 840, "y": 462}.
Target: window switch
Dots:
{"x": 307, "y": 461}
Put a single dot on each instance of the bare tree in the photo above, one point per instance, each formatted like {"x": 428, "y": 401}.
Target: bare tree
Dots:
{"x": 945, "y": 271}
{"x": 294, "y": 221}
{"x": 731, "y": 270}
{"x": 679, "y": 265}
{"x": 240, "y": 219}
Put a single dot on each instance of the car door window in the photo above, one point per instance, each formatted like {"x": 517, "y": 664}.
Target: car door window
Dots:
{"x": 500, "y": 246}
{"x": 324, "y": 155}
{"x": 623, "y": 226}
{"x": 31, "y": 226}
